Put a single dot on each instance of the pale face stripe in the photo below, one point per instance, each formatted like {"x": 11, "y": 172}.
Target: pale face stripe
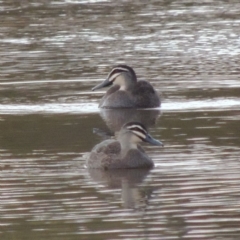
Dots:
{"x": 138, "y": 131}
{"x": 139, "y": 134}
{"x": 113, "y": 77}
{"x": 117, "y": 68}
{"x": 137, "y": 126}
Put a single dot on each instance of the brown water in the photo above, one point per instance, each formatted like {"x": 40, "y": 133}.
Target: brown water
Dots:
{"x": 52, "y": 53}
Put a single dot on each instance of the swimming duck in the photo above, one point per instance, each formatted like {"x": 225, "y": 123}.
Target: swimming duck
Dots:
{"x": 125, "y": 152}
{"x": 127, "y": 91}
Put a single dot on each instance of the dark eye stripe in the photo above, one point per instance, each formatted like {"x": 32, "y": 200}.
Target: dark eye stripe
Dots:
{"x": 139, "y": 134}
{"x": 137, "y": 129}
{"x": 117, "y": 70}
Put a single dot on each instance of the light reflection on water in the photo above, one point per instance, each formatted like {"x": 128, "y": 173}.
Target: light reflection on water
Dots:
{"x": 53, "y": 54}
{"x": 78, "y": 108}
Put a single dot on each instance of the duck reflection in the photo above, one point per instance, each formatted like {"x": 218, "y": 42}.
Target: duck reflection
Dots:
{"x": 133, "y": 195}
{"x": 125, "y": 151}
{"x": 116, "y": 118}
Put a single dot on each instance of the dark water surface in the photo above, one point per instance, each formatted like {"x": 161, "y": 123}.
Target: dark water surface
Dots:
{"x": 52, "y": 53}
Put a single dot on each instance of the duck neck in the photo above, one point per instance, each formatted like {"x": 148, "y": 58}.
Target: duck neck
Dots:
{"x": 125, "y": 81}
{"x": 126, "y": 143}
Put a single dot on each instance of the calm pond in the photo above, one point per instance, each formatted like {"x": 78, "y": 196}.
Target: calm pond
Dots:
{"x": 52, "y": 53}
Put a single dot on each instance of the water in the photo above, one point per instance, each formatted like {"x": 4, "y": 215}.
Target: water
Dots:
{"x": 51, "y": 55}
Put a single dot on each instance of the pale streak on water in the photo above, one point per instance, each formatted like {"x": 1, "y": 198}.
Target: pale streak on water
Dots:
{"x": 53, "y": 53}
{"x": 86, "y": 108}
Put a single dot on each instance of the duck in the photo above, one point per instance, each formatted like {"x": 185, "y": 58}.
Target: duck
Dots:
{"x": 124, "y": 152}
{"x": 126, "y": 91}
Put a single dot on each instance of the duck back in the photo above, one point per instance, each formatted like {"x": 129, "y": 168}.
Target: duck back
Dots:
{"x": 142, "y": 95}
{"x": 107, "y": 155}
{"x": 145, "y": 96}
{"x": 102, "y": 153}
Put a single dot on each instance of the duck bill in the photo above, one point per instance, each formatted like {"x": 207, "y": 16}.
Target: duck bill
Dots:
{"x": 105, "y": 83}
{"x": 153, "y": 141}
